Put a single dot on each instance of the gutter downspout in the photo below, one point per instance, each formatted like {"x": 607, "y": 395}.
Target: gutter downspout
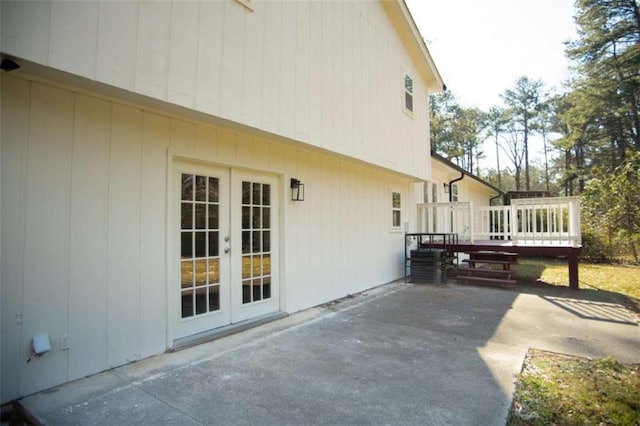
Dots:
{"x": 493, "y": 198}
{"x": 451, "y": 182}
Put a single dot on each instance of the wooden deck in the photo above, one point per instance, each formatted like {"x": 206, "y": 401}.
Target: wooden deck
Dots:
{"x": 531, "y": 227}
{"x": 571, "y": 253}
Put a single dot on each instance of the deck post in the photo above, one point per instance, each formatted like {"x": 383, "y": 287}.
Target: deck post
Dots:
{"x": 573, "y": 269}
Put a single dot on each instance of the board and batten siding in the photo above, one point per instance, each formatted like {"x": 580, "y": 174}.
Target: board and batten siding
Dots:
{"x": 325, "y": 73}
{"x": 85, "y": 235}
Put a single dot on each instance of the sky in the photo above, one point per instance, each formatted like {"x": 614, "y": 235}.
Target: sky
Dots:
{"x": 481, "y": 47}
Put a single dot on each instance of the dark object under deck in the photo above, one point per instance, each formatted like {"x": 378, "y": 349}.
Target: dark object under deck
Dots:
{"x": 569, "y": 252}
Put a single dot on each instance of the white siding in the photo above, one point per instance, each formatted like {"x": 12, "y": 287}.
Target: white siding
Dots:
{"x": 47, "y": 231}
{"x": 469, "y": 189}
{"x": 325, "y": 73}
{"x": 14, "y": 158}
{"x": 84, "y": 232}
{"x": 88, "y": 241}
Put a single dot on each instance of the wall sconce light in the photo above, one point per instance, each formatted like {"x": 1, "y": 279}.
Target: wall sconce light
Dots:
{"x": 297, "y": 190}
{"x": 8, "y": 64}
{"x": 446, "y": 188}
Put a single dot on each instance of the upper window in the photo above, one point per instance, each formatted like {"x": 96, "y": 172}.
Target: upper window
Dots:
{"x": 396, "y": 210}
{"x": 454, "y": 192}
{"x": 408, "y": 93}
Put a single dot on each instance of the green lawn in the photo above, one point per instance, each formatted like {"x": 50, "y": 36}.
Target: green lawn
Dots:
{"x": 557, "y": 389}
{"x": 621, "y": 279}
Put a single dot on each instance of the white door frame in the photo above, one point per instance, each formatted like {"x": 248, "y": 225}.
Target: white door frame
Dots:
{"x": 232, "y": 310}
{"x": 266, "y": 264}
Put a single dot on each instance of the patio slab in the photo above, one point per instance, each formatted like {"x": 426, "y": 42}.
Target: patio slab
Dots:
{"x": 397, "y": 354}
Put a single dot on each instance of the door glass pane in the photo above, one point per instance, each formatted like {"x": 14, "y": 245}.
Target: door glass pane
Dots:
{"x": 213, "y": 272}
{"x": 214, "y": 298}
{"x": 246, "y": 292}
{"x": 246, "y": 217}
{"x": 256, "y": 242}
{"x": 246, "y": 193}
{"x": 266, "y": 287}
{"x": 256, "y": 267}
{"x": 199, "y": 245}
{"x": 246, "y": 267}
{"x": 214, "y": 248}
{"x": 201, "y": 301}
{"x": 187, "y": 303}
{"x": 201, "y": 216}
{"x": 266, "y": 264}
{"x": 201, "y": 188}
{"x": 201, "y": 272}
{"x": 257, "y": 290}
{"x": 186, "y": 274}
{"x": 187, "y": 187}
{"x": 186, "y": 245}
{"x": 256, "y": 218}
{"x": 186, "y": 213}
{"x": 246, "y": 242}
{"x": 213, "y": 217}
{"x": 256, "y": 194}
{"x": 213, "y": 190}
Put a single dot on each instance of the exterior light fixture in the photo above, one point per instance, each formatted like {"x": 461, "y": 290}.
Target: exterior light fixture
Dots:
{"x": 8, "y": 64}
{"x": 297, "y": 190}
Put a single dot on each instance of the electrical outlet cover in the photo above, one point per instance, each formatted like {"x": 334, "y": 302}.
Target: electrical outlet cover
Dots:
{"x": 41, "y": 344}
{"x": 64, "y": 342}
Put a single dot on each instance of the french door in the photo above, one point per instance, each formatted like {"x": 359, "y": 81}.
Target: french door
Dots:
{"x": 226, "y": 250}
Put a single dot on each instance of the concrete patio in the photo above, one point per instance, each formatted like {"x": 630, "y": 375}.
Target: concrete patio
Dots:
{"x": 397, "y": 354}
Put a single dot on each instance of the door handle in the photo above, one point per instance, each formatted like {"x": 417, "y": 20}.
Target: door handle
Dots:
{"x": 227, "y": 249}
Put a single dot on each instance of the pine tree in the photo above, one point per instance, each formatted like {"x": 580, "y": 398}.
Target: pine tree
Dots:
{"x": 523, "y": 101}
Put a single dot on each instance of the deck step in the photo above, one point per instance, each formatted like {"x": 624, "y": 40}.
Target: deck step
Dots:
{"x": 497, "y": 281}
{"x": 490, "y": 252}
{"x": 470, "y": 271}
{"x": 491, "y": 262}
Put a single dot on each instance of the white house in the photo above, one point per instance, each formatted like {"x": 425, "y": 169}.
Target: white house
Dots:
{"x": 148, "y": 154}
{"x": 451, "y": 183}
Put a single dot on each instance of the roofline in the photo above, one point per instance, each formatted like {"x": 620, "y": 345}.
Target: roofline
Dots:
{"x": 447, "y": 162}
{"x": 399, "y": 8}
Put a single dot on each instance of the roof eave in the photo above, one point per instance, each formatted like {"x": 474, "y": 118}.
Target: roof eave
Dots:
{"x": 416, "y": 46}
{"x": 459, "y": 169}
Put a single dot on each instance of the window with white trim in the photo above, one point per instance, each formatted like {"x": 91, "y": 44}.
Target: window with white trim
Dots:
{"x": 396, "y": 210}
{"x": 408, "y": 93}
{"x": 454, "y": 192}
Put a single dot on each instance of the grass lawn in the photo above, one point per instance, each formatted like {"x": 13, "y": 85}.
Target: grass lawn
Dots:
{"x": 567, "y": 390}
{"x": 620, "y": 279}
{"x": 556, "y": 389}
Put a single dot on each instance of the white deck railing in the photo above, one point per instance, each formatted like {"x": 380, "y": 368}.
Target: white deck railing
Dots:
{"x": 531, "y": 221}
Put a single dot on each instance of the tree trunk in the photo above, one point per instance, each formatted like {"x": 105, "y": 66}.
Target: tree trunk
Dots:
{"x": 526, "y": 153}
{"x": 498, "y": 162}
{"x": 546, "y": 158}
